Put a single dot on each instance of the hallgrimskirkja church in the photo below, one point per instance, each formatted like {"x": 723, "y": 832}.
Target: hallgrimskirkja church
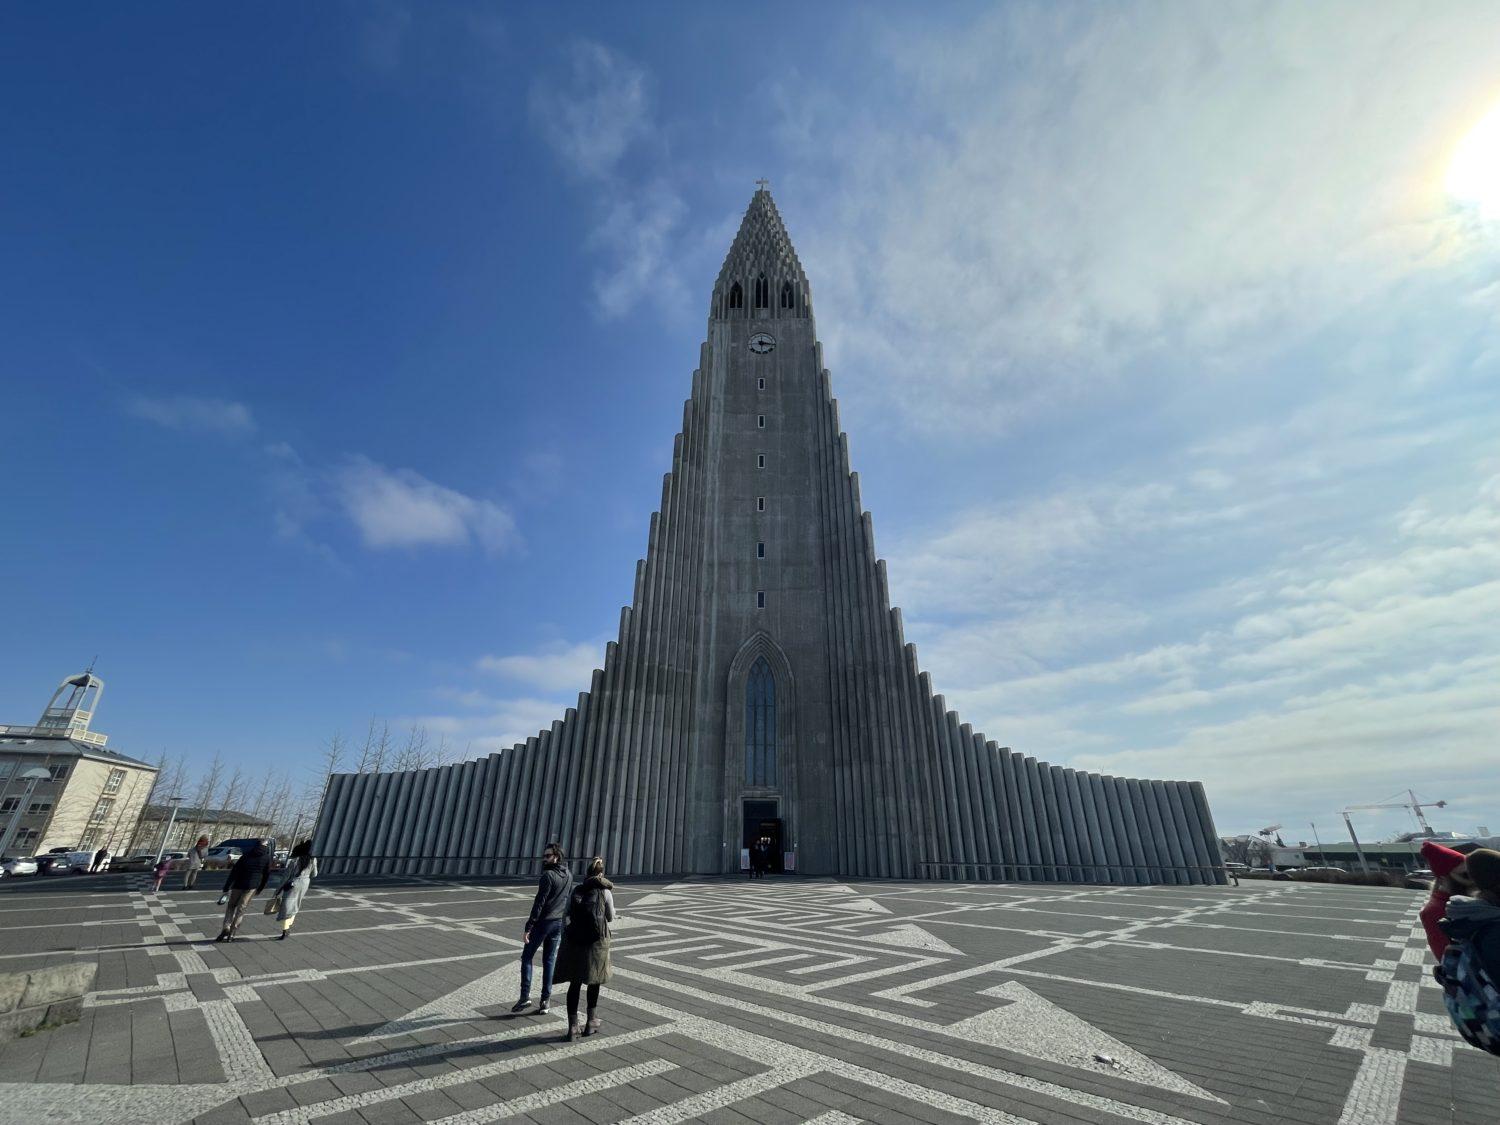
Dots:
{"x": 761, "y": 687}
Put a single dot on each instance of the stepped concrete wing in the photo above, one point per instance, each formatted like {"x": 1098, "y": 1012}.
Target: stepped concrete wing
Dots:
{"x": 761, "y": 688}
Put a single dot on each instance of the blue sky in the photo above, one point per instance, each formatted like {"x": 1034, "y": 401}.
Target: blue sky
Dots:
{"x": 342, "y": 347}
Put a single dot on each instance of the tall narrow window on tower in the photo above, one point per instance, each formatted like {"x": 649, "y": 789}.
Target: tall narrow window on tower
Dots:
{"x": 788, "y": 300}
{"x": 762, "y": 292}
{"x": 760, "y": 725}
{"x": 736, "y": 296}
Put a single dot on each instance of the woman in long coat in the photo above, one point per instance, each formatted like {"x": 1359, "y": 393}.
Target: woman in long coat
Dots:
{"x": 300, "y": 869}
{"x": 583, "y": 959}
{"x": 194, "y": 863}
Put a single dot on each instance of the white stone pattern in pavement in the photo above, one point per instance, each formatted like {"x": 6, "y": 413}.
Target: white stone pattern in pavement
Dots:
{"x": 726, "y": 965}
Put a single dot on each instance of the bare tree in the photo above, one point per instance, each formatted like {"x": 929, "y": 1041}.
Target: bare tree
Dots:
{"x": 233, "y": 796}
{"x": 333, "y": 757}
{"x": 170, "y": 780}
{"x": 260, "y": 805}
{"x": 382, "y": 748}
{"x": 414, "y": 753}
{"x": 208, "y": 785}
{"x": 367, "y": 749}
{"x": 271, "y": 806}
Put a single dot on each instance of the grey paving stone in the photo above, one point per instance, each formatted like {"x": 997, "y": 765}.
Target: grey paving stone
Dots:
{"x": 1204, "y": 1011}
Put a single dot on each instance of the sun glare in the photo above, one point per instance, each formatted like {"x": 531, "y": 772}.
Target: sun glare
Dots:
{"x": 1474, "y": 174}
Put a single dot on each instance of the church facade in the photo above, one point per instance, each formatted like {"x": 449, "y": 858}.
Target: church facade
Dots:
{"x": 761, "y": 688}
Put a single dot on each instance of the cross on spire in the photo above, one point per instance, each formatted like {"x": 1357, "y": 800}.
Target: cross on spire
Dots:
{"x": 764, "y": 185}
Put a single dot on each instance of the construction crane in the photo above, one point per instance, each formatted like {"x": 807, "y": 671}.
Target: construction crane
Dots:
{"x": 1413, "y": 804}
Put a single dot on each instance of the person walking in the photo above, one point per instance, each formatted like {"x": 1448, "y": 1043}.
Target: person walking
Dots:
{"x": 162, "y": 869}
{"x": 544, "y": 925}
{"x": 583, "y": 960}
{"x": 302, "y": 867}
{"x": 247, "y": 878}
{"x": 194, "y": 863}
{"x": 101, "y": 857}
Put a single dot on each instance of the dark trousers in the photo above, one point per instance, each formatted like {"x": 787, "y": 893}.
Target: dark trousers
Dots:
{"x": 574, "y": 989}
{"x": 545, "y": 934}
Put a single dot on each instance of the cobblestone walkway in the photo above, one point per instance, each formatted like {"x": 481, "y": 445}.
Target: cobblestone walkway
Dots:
{"x": 766, "y": 1001}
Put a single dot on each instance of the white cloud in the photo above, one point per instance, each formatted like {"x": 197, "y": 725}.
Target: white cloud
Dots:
{"x": 597, "y": 112}
{"x": 498, "y": 725}
{"x": 593, "y": 117}
{"x": 1316, "y": 660}
{"x": 185, "y": 412}
{"x": 1030, "y": 206}
{"x": 558, "y": 667}
{"x": 402, "y": 508}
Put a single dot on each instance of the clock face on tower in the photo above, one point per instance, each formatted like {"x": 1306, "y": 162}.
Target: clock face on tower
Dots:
{"x": 761, "y": 343}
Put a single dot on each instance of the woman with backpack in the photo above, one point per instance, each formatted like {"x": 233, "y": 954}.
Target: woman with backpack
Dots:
{"x": 584, "y": 956}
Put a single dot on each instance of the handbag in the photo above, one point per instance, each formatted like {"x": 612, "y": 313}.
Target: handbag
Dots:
{"x": 275, "y": 904}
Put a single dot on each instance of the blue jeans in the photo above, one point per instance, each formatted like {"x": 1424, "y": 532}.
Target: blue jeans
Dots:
{"x": 546, "y": 934}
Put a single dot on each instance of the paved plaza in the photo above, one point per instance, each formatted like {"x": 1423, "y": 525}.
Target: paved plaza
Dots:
{"x": 769, "y": 1001}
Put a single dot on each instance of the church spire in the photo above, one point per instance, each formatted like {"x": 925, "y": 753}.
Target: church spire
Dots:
{"x": 762, "y": 277}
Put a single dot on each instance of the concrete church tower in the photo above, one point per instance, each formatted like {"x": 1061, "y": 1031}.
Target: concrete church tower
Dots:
{"x": 761, "y": 685}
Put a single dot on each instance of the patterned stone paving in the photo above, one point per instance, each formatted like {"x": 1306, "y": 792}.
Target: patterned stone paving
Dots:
{"x": 767, "y": 1001}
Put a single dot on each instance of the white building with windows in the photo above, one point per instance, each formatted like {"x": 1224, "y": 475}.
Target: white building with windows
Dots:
{"x": 60, "y": 786}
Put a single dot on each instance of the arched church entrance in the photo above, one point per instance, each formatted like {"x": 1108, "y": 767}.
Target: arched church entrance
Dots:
{"x": 759, "y": 762}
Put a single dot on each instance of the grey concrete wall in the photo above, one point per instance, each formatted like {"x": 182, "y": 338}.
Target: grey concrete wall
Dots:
{"x": 877, "y": 776}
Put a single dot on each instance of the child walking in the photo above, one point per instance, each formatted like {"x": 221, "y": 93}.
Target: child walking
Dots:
{"x": 162, "y": 869}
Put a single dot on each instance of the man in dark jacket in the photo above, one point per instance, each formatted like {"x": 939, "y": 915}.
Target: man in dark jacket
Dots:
{"x": 247, "y": 878}
{"x": 544, "y": 925}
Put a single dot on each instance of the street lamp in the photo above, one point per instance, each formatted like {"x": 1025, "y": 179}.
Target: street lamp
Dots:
{"x": 31, "y": 777}
{"x": 171, "y": 820}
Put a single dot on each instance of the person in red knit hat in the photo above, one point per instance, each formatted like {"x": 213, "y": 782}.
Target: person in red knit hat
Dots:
{"x": 1451, "y": 878}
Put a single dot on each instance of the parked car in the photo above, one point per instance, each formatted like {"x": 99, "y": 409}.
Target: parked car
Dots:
{"x": 13, "y": 866}
{"x": 221, "y": 857}
{"x": 53, "y": 863}
{"x": 83, "y": 862}
{"x": 226, "y": 852}
{"x": 141, "y": 861}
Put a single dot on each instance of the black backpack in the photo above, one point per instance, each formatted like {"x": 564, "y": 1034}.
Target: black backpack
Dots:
{"x": 586, "y": 920}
